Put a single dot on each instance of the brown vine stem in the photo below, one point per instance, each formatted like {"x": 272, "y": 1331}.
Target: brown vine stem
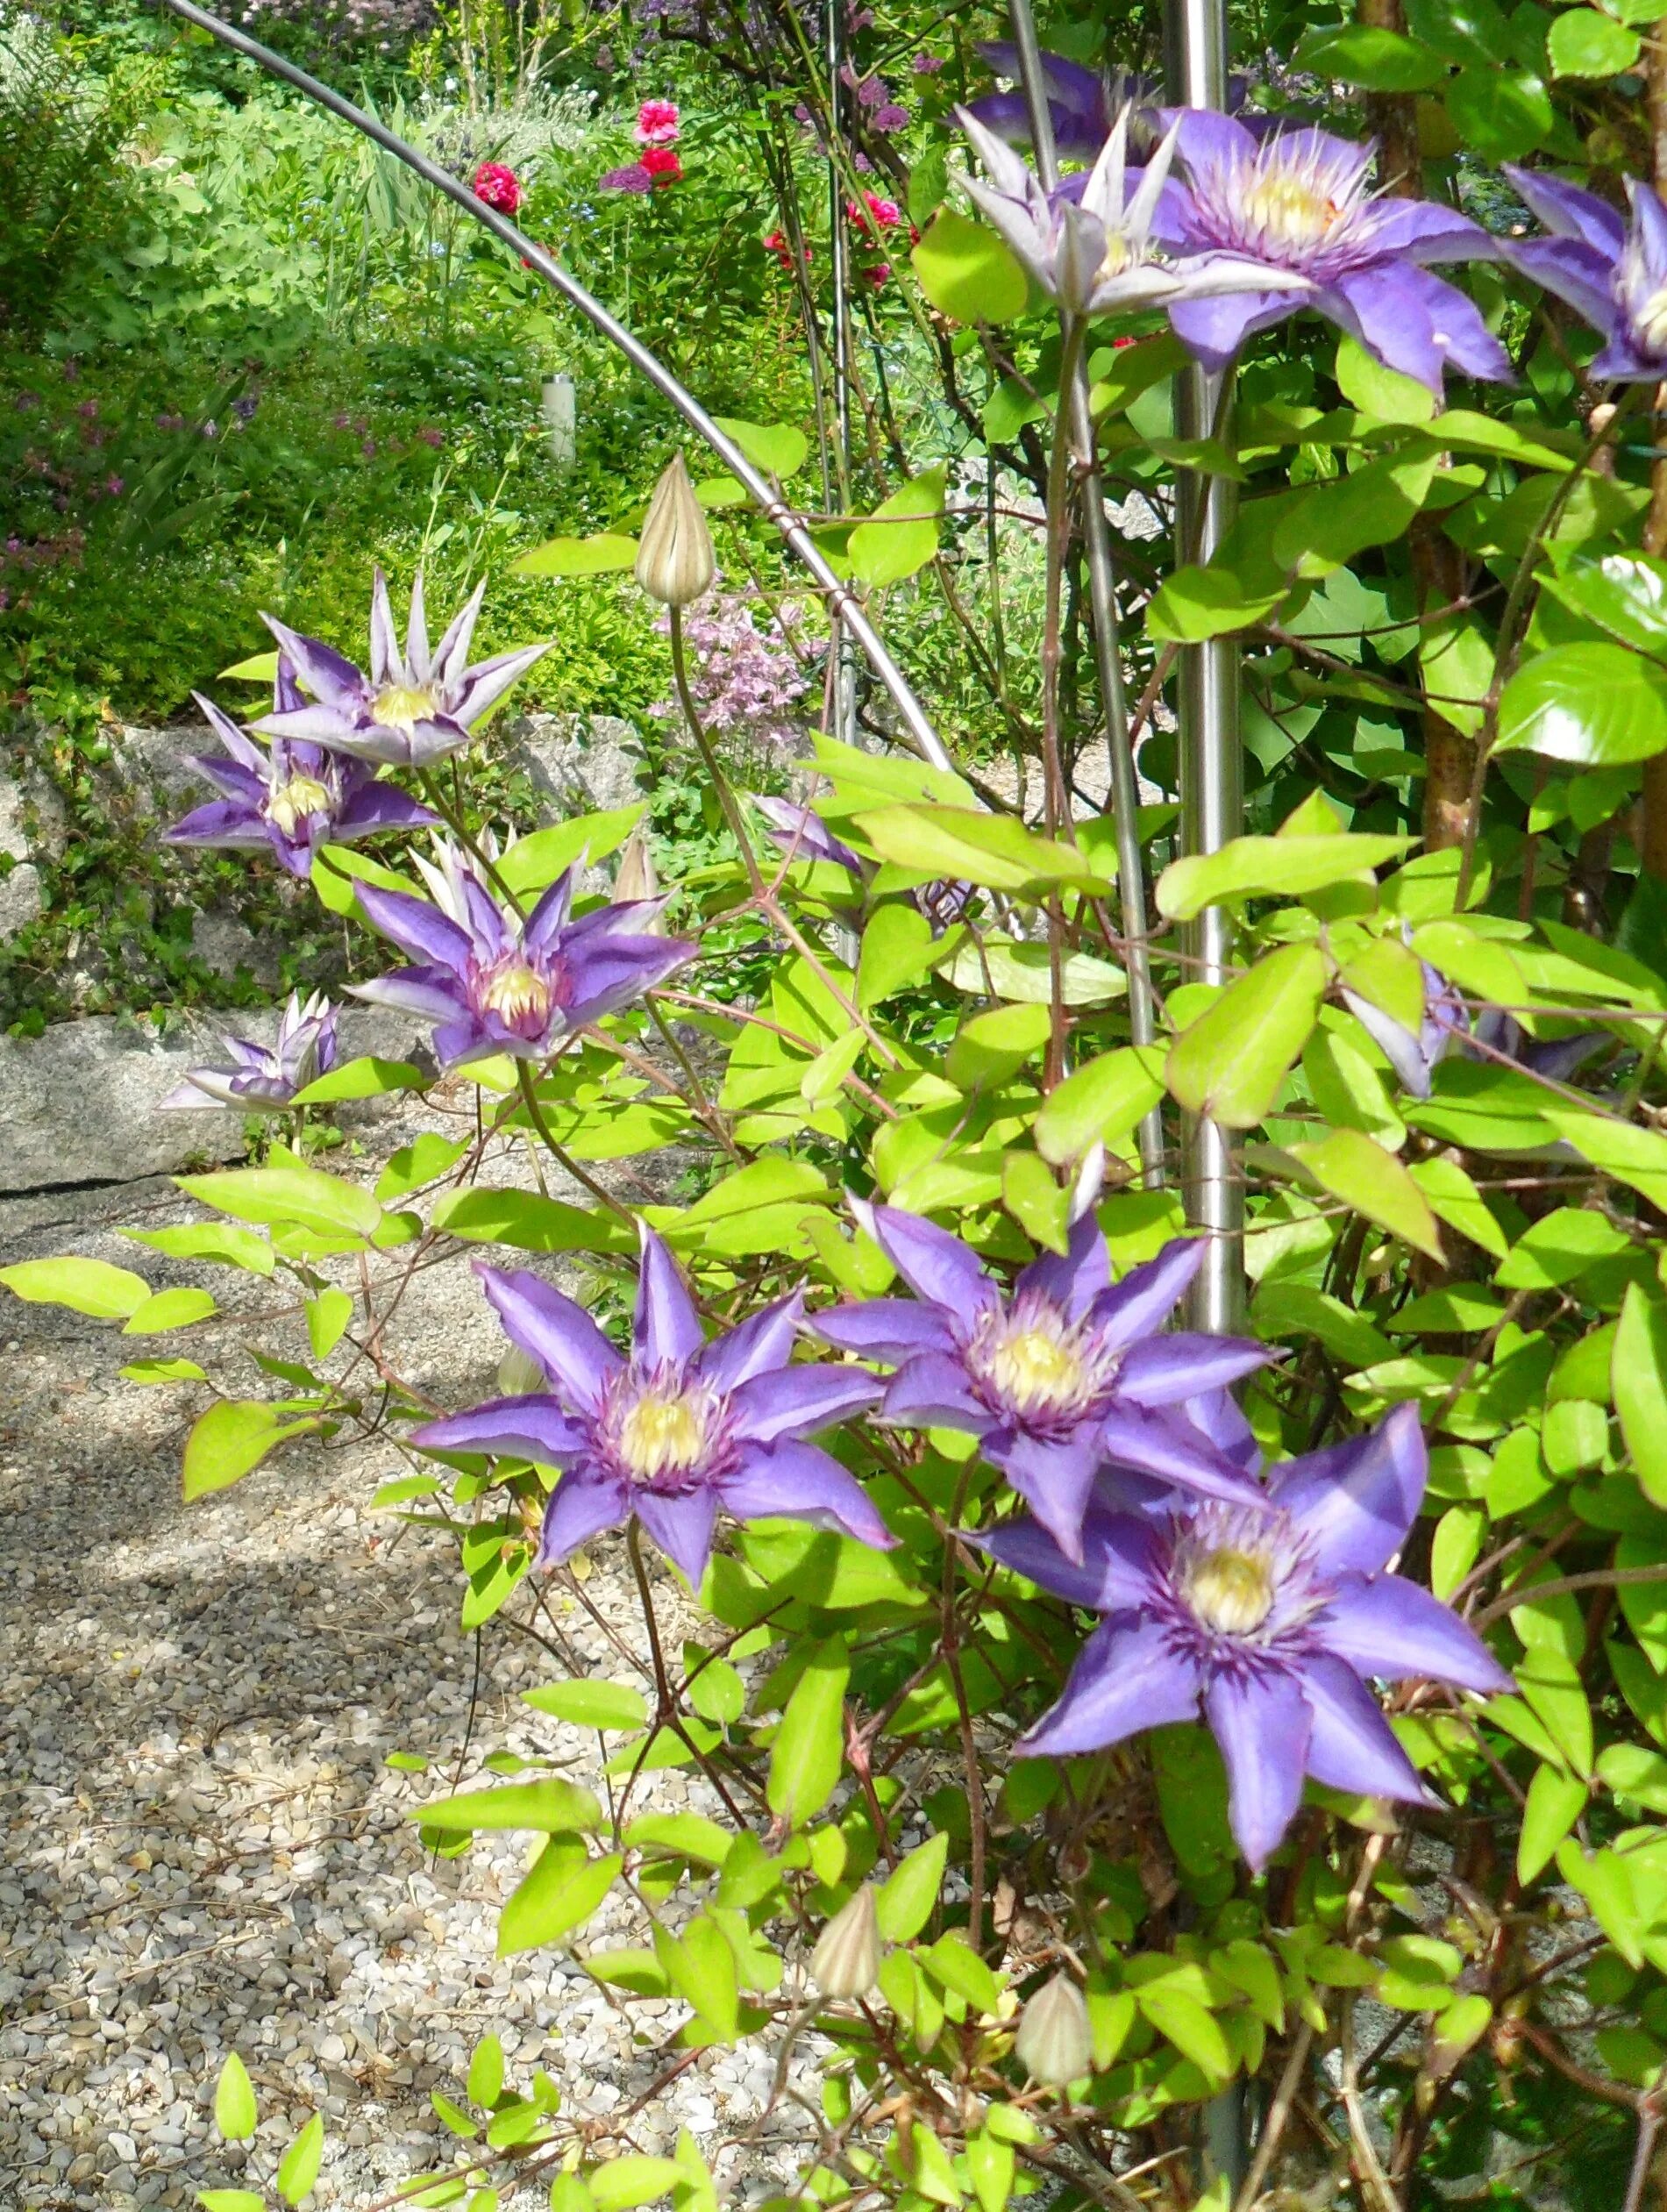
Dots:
{"x": 1610, "y": 1578}
{"x": 569, "y": 1166}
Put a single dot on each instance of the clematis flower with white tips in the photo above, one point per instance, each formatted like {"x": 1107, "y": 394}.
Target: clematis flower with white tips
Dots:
{"x": 413, "y": 708}
{"x": 1097, "y": 251}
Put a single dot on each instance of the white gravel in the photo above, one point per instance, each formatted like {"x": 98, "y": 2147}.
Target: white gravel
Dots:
{"x": 202, "y": 1846}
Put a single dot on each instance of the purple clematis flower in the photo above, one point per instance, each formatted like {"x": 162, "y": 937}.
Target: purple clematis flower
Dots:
{"x": 1078, "y": 103}
{"x": 410, "y": 709}
{"x": 295, "y": 797}
{"x": 677, "y": 1433}
{"x": 1094, "y": 245}
{"x": 497, "y": 983}
{"x": 263, "y": 1079}
{"x": 1271, "y": 1617}
{"x": 1066, "y": 1377}
{"x": 802, "y": 835}
{"x": 1447, "y": 1029}
{"x": 1299, "y": 204}
{"x": 1615, "y": 277}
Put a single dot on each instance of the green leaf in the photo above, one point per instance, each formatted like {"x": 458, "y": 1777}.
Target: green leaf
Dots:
{"x": 151, "y": 1371}
{"x": 1353, "y": 1166}
{"x": 717, "y": 1692}
{"x": 1584, "y": 43}
{"x": 1361, "y": 54}
{"x": 1636, "y": 1157}
{"x": 532, "y": 864}
{"x": 1325, "y": 529}
{"x": 1100, "y": 1102}
{"x": 810, "y": 1744}
{"x": 777, "y": 448}
{"x": 578, "y": 556}
{"x": 551, "y": 1807}
{"x": 1382, "y": 393}
{"x": 85, "y": 1286}
{"x": 230, "y": 2200}
{"x": 1194, "y": 604}
{"x": 967, "y": 272}
{"x": 903, "y": 1903}
{"x": 901, "y": 536}
{"x": 304, "y": 1197}
{"x": 991, "y": 1047}
{"x": 527, "y": 1220}
{"x": 1230, "y": 1063}
{"x": 1190, "y": 2026}
{"x": 1034, "y": 1198}
{"x": 1024, "y": 973}
{"x": 365, "y": 1078}
{"x": 897, "y": 949}
{"x": 1264, "y": 866}
{"x": 990, "y": 849}
{"x": 234, "y": 2107}
{"x": 169, "y": 1309}
{"x": 1639, "y": 1379}
{"x": 681, "y": 1836}
{"x": 1502, "y": 114}
{"x": 1593, "y": 704}
{"x": 422, "y": 1161}
{"x": 1624, "y": 593}
{"x": 298, "y": 2168}
{"x": 337, "y": 868}
{"x": 209, "y": 1240}
{"x": 622, "y": 2183}
{"x": 1555, "y": 1801}
{"x": 563, "y": 1889}
{"x": 261, "y": 668}
{"x": 230, "y": 1440}
{"x": 590, "y": 1704}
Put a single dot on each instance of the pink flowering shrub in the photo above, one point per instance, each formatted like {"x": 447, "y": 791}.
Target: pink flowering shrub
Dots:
{"x": 656, "y": 123}
{"x": 744, "y": 671}
{"x": 498, "y": 186}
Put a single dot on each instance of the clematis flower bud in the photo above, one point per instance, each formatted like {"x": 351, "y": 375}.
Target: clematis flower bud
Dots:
{"x": 845, "y": 1962}
{"x": 519, "y": 1373}
{"x": 1053, "y": 2044}
{"x": 675, "y": 561}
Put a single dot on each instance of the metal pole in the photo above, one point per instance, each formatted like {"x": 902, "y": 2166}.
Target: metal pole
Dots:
{"x": 1211, "y": 772}
{"x": 843, "y": 701}
{"x": 1102, "y": 596}
{"x": 918, "y": 729}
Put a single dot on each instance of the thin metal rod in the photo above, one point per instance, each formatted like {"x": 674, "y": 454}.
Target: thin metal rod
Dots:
{"x": 1211, "y": 768}
{"x": 843, "y": 697}
{"x": 919, "y": 731}
{"x": 1102, "y": 596}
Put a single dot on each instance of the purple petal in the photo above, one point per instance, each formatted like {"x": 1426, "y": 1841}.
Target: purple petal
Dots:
{"x": 1164, "y": 1371}
{"x": 230, "y": 776}
{"x": 243, "y": 749}
{"x": 1068, "y": 82}
{"x": 1127, "y": 1677}
{"x": 1391, "y": 1628}
{"x": 797, "y": 1401}
{"x": 1263, "y": 1724}
{"x": 553, "y": 1330}
{"x": 417, "y": 652}
{"x": 452, "y": 653}
{"x": 1055, "y": 1480}
{"x": 885, "y": 1329}
{"x": 1139, "y": 1305}
{"x": 931, "y": 1391}
{"x": 800, "y": 1482}
{"x": 668, "y": 1327}
{"x": 1414, "y": 323}
{"x": 629, "y": 967}
{"x": 803, "y": 835}
{"x": 1116, "y": 1571}
{"x": 1353, "y": 1746}
{"x": 1153, "y": 1442}
{"x": 332, "y": 680}
{"x": 1569, "y": 212}
{"x": 486, "y": 684}
{"x": 1574, "y": 272}
{"x": 1215, "y": 329}
{"x": 1403, "y": 1050}
{"x": 433, "y": 993}
{"x": 680, "y": 1521}
{"x": 1622, "y": 362}
{"x": 1210, "y": 140}
{"x": 332, "y": 727}
{"x": 1355, "y": 1501}
{"x": 935, "y": 1265}
{"x": 416, "y": 926}
{"x": 221, "y": 822}
{"x": 550, "y": 914}
{"x": 532, "y": 1428}
{"x": 1425, "y": 231}
{"x": 376, "y": 805}
{"x": 581, "y": 1506}
{"x": 1074, "y": 1281}
{"x": 758, "y": 1348}
{"x": 1218, "y": 1415}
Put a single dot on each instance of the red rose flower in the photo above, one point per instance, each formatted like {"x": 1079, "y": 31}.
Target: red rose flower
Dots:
{"x": 499, "y": 187}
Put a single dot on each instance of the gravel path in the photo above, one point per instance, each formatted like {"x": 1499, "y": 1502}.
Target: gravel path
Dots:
{"x": 202, "y": 1847}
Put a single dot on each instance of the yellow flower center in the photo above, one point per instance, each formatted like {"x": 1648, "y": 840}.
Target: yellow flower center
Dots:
{"x": 1033, "y": 1372}
{"x": 1120, "y": 257}
{"x": 1651, "y": 320}
{"x": 401, "y": 706}
{"x": 293, "y": 802}
{"x": 516, "y": 991}
{"x": 664, "y": 1433}
{"x": 1288, "y": 211}
{"x": 1230, "y": 1591}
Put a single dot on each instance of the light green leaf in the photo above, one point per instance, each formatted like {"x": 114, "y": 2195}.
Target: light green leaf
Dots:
{"x": 304, "y": 1196}
{"x": 1555, "y": 1801}
{"x": 234, "y": 2107}
{"x": 85, "y": 1286}
{"x": 1230, "y": 1063}
{"x": 1352, "y": 1166}
{"x": 209, "y": 1240}
{"x": 1639, "y": 1379}
{"x": 527, "y": 1220}
{"x": 152, "y": 1371}
{"x": 365, "y": 1078}
{"x": 532, "y": 864}
{"x": 1383, "y": 393}
{"x": 1593, "y": 704}
{"x": 1024, "y": 974}
{"x": 1264, "y": 866}
{"x": 904, "y": 1902}
{"x": 261, "y": 668}
{"x": 298, "y": 2168}
{"x": 620, "y": 2184}
{"x": 552, "y": 1807}
{"x": 968, "y": 273}
{"x": 808, "y": 1749}
{"x": 902, "y": 534}
{"x": 1636, "y": 1157}
{"x": 1583, "y": 42}
{"x": 1194, "y": 604}
{"x": 230, "y": 1440}
{"x": 337, "y": 868}
{"x": 578, "y": 556}
{"x": 990, "y": 849}
{"x": 1101, "y": 1102}
{"x": 168, "y": 1310}
{"x": 563, "y": 1889}
{"x": 1190, "y": 2026}
{"x": 230, "y": 2200}
{"x": 777, "y": 448}
{"x": 1454, "y": 1198}
{"x": 590, "y": 1704}
{"x": 897, "y": 948}
{"x": 328, "y": 1315}
{"x": 991, "y": 1047}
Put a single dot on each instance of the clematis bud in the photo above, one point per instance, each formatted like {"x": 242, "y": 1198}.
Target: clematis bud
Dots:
{"x": 845, "y": 1962}
{"x": 636, "y": 878}
{"x": 674, "y": 558}
{"x": 519, "y": 1373}
{"x": 1053, "y": 2044}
